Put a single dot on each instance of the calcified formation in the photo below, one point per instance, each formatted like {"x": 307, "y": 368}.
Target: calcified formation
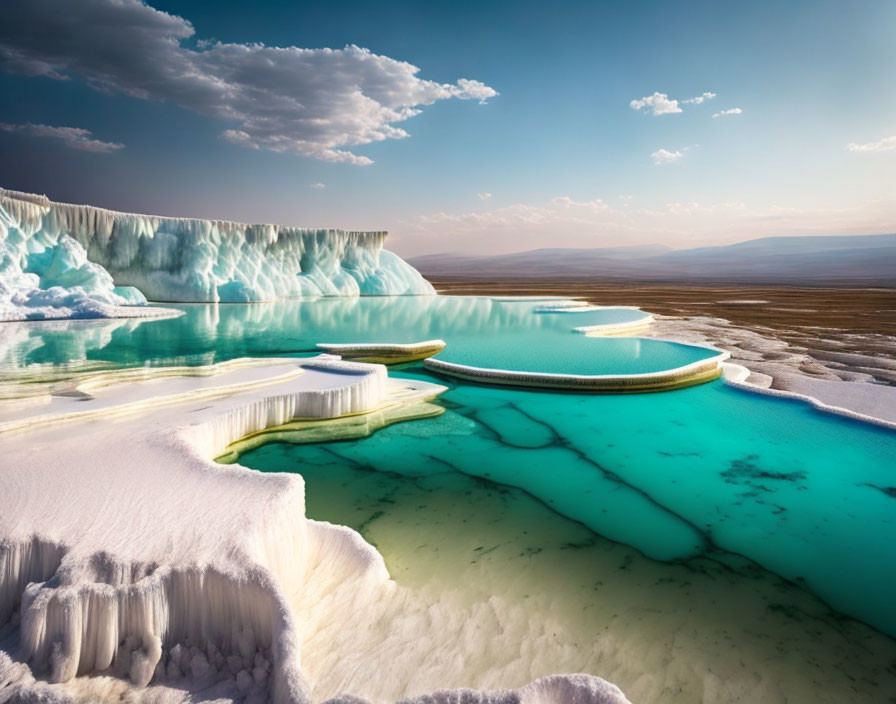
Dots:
{"x": 98, "y": 258}
{"x": 385, "y": 353}
{"x": 145, "y": 564}
{"x": 54, "y": 279}
{"x": 680, "y": 377}
{"x": 92, "y": 590}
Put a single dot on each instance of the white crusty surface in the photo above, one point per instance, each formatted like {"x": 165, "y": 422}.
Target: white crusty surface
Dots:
{"x": 864, "y": 385}
{"x": 133, "y": 567}
{"x": 124, "y": 546}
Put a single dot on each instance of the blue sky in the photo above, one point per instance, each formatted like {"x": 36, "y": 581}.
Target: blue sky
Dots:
{"x": 544, "y": 148}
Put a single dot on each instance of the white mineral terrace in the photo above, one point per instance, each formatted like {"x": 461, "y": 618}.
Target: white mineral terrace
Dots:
{"x": 133, "y": 567}
{"x": 605, "y": 329}
{"x": 737, "y": 375}
{"x": 617, "y": 328}
{"x": 385, "y": 352}
{"x": 695, "y": 372}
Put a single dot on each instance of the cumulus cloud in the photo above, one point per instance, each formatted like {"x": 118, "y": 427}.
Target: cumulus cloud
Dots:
{"x": 731, "y": 111}
{"x": 658, "y": 104}
{"x": 317, "y": 186}
{"x": 664, "y": 156}
{"x": 700, "y": 98}
{"x": 882, "y": 145}
{"x": 73, "y": 137}
{"x": 476, "y": 90}
{"x": 310, "y": 102}
{"x": 483, "y": 196}
{"x": 662, "y": 104}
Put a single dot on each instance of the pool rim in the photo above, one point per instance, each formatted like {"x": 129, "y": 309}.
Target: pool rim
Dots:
{"x": 697, "y": 372}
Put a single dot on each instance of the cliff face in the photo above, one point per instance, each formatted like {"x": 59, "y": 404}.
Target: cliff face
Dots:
{"x": 183, "y": 259}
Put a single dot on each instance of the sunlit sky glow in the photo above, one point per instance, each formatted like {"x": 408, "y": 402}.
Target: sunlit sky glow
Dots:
{"x": 462, "y": 126}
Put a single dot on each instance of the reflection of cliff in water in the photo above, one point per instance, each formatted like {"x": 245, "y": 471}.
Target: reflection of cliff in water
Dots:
{"x": 214, "y": 332}
{"x": 51, "y": 342}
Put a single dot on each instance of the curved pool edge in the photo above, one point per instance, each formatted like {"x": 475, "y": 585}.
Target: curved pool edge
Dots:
{"x": 735, "y": 375}
{"x": 608, "y": 329}
{"x": 406, "y": 400}
{"x": 384, "y": 353}
{"x": 573, "y": 307}
{"x": 698, "y": 372}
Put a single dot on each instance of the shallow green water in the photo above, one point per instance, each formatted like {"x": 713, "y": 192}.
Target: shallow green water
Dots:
{"x": 496, "y": 561}
{"x": 705, "y": 470}
{"x": 709, "y": 469}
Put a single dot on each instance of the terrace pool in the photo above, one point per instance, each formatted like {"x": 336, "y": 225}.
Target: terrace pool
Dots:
{"x": 707, "y": 486}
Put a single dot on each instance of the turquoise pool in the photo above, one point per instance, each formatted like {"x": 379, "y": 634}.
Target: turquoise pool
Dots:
{"x": 705, "y": 471}
{"x": 209, "y": 333}
{"x": 469, "y": 554}
{"x": 708, "y": 470}
{"x": 576, "y": 354}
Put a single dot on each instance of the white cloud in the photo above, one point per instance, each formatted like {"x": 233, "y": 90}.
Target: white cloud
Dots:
{"x": 662, "y": 104}
{"x": 700, "y": 98}
{"x": 883, "y": 145}
{"x": 311, "y": 102}
{"x": 475, "y": 90}
{"x": 596, "y": 205}
{"x": 563, "y": 211}
{"x": 317, "y": 186}
{"x": 664, "y": 156}
{"x": 566, "y": 222}
{"x": 731, "y": 111}
{"x": 73, "y": 137}
{"x": 658, "y": 104}
{"x": 484, "y": 196}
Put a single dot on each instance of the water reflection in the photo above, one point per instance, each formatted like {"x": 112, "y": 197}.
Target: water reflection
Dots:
{"x": 209, "y": 333}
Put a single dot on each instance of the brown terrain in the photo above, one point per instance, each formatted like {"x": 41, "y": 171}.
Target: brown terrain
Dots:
{"x": 787, "y": 310}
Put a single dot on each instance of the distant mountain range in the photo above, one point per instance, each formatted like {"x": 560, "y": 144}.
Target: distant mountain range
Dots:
{"x": 861, "y": 259}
